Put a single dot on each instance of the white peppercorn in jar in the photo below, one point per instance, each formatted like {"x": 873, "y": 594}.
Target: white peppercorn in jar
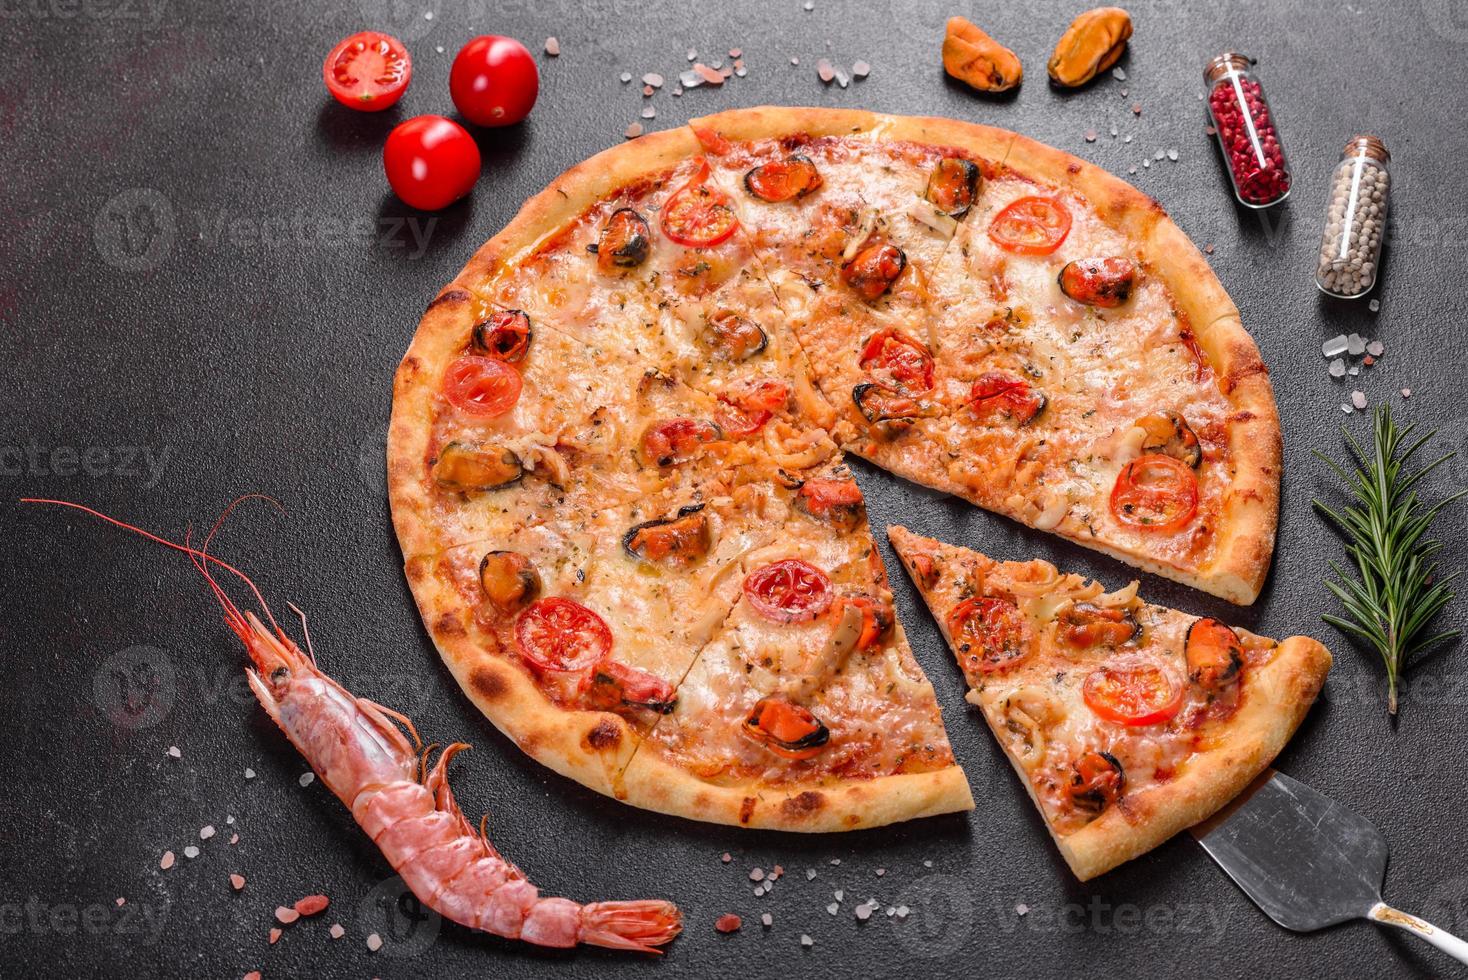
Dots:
{"x": 1355, "y": 220}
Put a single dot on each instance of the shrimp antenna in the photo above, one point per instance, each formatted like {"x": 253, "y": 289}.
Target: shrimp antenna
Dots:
{"x": 305, "y": 632}
{"x": 201, "y": 559}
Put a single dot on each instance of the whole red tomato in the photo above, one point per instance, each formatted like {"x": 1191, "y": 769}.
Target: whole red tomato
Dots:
{"x": 430, "y": 161}
{"x": 494, "y": 81}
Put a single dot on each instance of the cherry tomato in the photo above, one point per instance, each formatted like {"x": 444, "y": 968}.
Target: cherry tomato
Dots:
{"x": 1096, "y": 782}
{"x": 786, "y": 729}
{"x": 874, "y": 269}
{"x": 1215, "y": 655}
{"x": 698, "y": 215}
{"x": 1156, "y": 492}
{"x": 893, "y": 357}
{"x": 1133, "y": 689}
{"x": 1031, "y": 226}
{"x": 494, "y": 81}
{"x": 562, "y": 635}
{"x": 781, "y": 180}
{"x": 996, "y": 395}
{"x": 789, "y": 591}
{"x": 744, "y": 411}
{"x": 989, "y": 634}
{"x": 505, "y": 334}
{"x": 677, "y": 440}
{"x": 368, "y": 71}
{"x": 485, "y": 387}
{"x": 431, "y": 162}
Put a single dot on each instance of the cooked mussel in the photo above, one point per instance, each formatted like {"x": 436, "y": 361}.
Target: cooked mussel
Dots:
{"x": 786, "y": 729}
{"x": 871, "y": 273}
{"x": 1168, "y": 433}
{"x": 1096, "y": 782}
{"x": 1104, "y": 282}
{"x": 466, "y": 466}
{"x": 836, "y": 501}
{"x": 625, "y": 241}
{"x": 1214, "y": 654}
{"x": 505, "y": 334}
{"x": 677, "y": 541}
{"x": 783, "y": 180}
{"x": 953, "y": 186}
{"x": 735, "y": 337}
{"x": 880, "y": 404}
{"x": 1083, "y": 625}
{"x": 509, "y": 580}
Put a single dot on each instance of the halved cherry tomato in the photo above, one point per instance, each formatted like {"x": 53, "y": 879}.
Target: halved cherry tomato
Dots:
{"x": 368, "y": 71}
{"x": 494, "y": 81}
{"x": 561, "y": 635}
{"x": 1105, "y": 282}
{"x": 789, "y": 591}
{"x": 430, "y": 162}
{"x": 1031, "y": 226}
{"x": 953, "y": 186}
{"x": 996, "y": 395}
{"x": 899, "y": 360}
{"x": 481, "y": 386}
{"x": 781, "y": 180}
{"x": 625, "y": 241}
{"x": 989, "y": 634}
{"x": 786, "y": 729}
{"x": 877, "y": 618}
{"x": 874, "y": 269}
{"x": 745, "y": 410}
{"x": 506, "y": 334}
{"x": 1133, "y": 689}
{"x": 1096, "y": 782}
{"x": 698, "y": 215}
{"x": 838, "y": 501}
{"x": 612, "y": 685}
{"x": 1214, "y": 654}
{"x": 1155, "y": 492}
{"x": 677, "y": 440}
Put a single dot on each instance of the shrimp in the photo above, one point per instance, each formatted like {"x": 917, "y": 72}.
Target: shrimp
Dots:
{"x": 362, "y": 755}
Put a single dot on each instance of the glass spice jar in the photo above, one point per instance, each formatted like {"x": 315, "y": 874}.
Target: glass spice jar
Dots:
{"x": 1355, "y": 219}
{"x": 1246, "y": 132}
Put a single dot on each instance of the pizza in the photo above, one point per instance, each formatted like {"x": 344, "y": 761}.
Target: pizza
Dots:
{"x": 1127, "y": 722}
{"x": 615, "y": 460}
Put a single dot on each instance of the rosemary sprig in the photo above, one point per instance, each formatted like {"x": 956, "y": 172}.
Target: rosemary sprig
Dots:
{"x": 1398, "y": 593}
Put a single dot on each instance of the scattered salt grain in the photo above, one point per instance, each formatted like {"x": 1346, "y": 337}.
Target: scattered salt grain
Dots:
{"x": 677, "y": 90}
{"x": 710, "y": 75}
{"x": 728, "y": 922}
{"x": 741, "y": 71}
{"x": 1374, "y": 305}
{"x": 1123, "y": 93}
{"x": 648, "y": 112}
{"x": 1021, "y": 909}
{"x": 891, "y": 911}
{"x": 646, "y": 91}
{"x": 927, "y": 864}
{"x": 835, "y": 861}
{"x": 1114, "y": 130}
{"x": 1368, "y": 360}
{"x": 191, "y": 852}
{"x": 625, "y": 77}
{"x": 1118, "y": 73}
{"x": 249, "y": 773}
{"x": 825, "y": 71}
{"x": 274, "y": 936}
{"x": 881, "y": 872}
{"x": 229, "y": 819}
{"x": 1172, "y": 155}
{"x": 654, "y": 79}
{"x": 1147, "y": 164}
{"x": 692, "y": 54}
{"x": 374, "y": 942}
{"x": 307, "y": 778}
{"x": 1127, "y": 138}
{"x": 861, "y": 69}
{"x": 167, "y": 860}
{"x": 1208, "y": 248}
{"x": 839, "y": 894}
{"x": 726, "y": 857}
{"x": 234, "y": 838}
{"x": 312, "y": 905}
{"x": 1136, "y": 108}
{"x": 552, "y": 46}
{"x": 1358, "y": 399}
{"x": 842, "y": 78}
{"x": 285, "y": 916}
{"x": 810, "y": 874}
{"x": 736, "y": 52}
{"x": 795, "y": 61}
{"x": 777, "y": 871}
{"x": 427, "y": 15}
{"x": 863, "y": 913}
{"x": 903, "y": 911}
{"x": 1159, "y": 155}
{"x": 121, "y": 901}
{"x": 633, "y": 131}
{"x": 1131, "y": 170}
{"x": 833, "y": 908}
{"x": 1090, "y": 136}
{"x": 206, "y": 832}
{"x": 767, "y": 920}
{"x": 337, "y": 930}
{"x": 809, "y": 5}
{"x": 1337, "y": 368}
{"x": 806, "y": 940}
{"x": 1354, "y": 371}
{"x": 1356, "y": 344}
{"x": 1345, "y": 408}
{"x": 1406, "y": 392}
{"x": 690, "y": 79}
{"x": 237, "y": 882}
{"x": 1335, "y": 346}
{"x": 174, "y": 753}
{"x": 1376, "y": 348}
{"x": 438, "y": 48}
{"x": 758, "y": 874}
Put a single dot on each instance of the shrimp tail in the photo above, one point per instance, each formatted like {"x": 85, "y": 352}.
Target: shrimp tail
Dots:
{"x": 638, "y": 925}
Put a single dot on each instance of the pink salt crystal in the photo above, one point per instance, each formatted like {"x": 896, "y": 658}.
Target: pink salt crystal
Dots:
{"x": 552, "y": 46}
{"x": 633, "y": 131}
{"x": 167, "y": 861}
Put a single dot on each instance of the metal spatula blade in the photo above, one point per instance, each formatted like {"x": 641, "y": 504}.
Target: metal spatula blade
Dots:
{"x": 1307, "y": 861}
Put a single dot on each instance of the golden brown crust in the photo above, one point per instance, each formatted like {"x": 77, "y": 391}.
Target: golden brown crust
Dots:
{"x": 1278, "y": 696}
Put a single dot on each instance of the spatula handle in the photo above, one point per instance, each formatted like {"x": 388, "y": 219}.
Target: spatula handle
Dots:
{"x": 1445, "y": 941}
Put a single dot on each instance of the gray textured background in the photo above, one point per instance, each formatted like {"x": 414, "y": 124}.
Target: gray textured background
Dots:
{"x": 202, "y": 266}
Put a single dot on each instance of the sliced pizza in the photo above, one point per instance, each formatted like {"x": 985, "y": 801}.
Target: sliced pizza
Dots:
{"x": 1126, "y": 722}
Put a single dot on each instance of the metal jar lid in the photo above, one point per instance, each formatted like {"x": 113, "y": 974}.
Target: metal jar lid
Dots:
{"x": 1229, "y": 61}
{"x": 1364, "y": 144}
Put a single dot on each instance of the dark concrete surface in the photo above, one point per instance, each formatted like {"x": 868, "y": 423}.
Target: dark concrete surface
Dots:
{"x": 205, "y": 285}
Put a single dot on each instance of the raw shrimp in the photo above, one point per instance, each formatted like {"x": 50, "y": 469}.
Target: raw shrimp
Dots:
{"x": 406, "y": 807}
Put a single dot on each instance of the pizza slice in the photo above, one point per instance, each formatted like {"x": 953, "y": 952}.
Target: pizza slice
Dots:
{"x": 1126, "y": 722}
{"x": 807, "y": 711}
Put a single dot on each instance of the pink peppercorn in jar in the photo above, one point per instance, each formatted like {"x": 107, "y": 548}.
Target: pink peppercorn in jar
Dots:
{"x": 1246, "y": 132}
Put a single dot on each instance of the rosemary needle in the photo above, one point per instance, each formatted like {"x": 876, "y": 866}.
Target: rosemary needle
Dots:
{"x": 1396, "y": 594}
